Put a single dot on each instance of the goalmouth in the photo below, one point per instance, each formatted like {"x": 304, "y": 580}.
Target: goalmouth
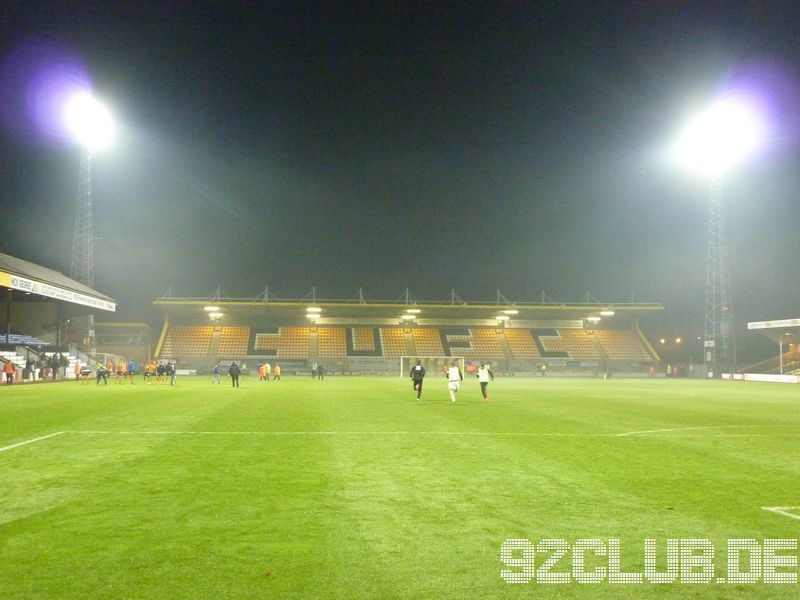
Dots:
{"x": 434, "y": 365}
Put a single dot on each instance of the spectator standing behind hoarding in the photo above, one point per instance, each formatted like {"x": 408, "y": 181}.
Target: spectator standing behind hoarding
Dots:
{"x": 234, "y": 371}
{"x": 8, "y": 369}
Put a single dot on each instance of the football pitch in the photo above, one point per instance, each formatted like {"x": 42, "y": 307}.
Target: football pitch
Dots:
{"x": 349, "y": 488}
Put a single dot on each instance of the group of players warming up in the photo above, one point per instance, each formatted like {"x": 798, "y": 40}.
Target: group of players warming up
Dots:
{"x": 454, "y": 379}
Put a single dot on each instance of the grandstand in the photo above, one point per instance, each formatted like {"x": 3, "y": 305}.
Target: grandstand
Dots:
{"x": 372, "y": 337}
{"x": 41, "y": 311}
{"x": 785, "y": 333}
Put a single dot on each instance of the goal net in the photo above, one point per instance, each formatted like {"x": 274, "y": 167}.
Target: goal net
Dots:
{"x": 434, "y": 365}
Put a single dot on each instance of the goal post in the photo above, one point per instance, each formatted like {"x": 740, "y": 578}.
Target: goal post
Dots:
{"x": 434, "y": 365}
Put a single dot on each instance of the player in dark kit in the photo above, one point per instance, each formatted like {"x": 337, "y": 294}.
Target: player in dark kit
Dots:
{"x": 417, "y": 375}
{"x": 234, "y": 371}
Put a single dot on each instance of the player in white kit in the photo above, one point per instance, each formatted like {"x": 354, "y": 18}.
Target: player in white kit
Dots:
{"x": 454, "y": 379}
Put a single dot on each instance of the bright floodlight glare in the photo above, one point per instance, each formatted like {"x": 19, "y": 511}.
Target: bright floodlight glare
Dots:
{"x": 88, "y": 121}
{"x": 730, "y": 131}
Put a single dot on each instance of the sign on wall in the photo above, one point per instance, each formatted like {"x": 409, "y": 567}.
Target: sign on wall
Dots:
{"x": 31, "y": 286}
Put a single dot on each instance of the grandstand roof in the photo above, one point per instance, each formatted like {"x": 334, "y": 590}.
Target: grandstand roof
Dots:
{"x": 335, "y": 310}
{"x": 28, "y": 278}
{"x": 786, "y": 331}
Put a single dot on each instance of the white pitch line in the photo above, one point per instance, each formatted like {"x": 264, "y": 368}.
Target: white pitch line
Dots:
{"x": 647, "y": 431}
{"x": 520, "y": 434}
{"x": 782, "y": 510}
{"x": 671, "y": 429}
{"x": 26, "y": 442}
{"x": 324, "y": 433}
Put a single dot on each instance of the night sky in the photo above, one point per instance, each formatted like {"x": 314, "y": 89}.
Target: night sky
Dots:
{"x": 437, "y": 145}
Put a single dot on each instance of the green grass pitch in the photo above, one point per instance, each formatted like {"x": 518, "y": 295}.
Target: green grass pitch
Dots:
{"x": 349, "y": 488}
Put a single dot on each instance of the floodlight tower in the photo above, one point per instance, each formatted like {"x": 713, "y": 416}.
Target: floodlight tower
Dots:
{"x": 83, "y": 234}
{"x": 726, "y": 134}
{"x": 719, "y": 343}
{"x": 90, "y": 125}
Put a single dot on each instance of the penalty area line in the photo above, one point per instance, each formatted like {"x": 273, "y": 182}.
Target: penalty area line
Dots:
{"x": 26, "y": 442}
{"x": 783, "y": 511}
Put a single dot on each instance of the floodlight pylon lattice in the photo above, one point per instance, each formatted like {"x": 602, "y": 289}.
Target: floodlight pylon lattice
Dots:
{"x": 83, "y": 244}
{"x": 719, "y": 347}
{"x": 83, "y": 236}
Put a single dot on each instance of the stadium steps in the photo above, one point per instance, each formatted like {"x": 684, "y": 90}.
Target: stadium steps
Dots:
{"x": 505, "y": 346}
{"x": 162, "y": 337}
{"x": 770, "y": 365}
{"x": 313, "y": 343}
{"x": 213, "y": 346}
{"x": 645, "y": 343}
{"x": 773, "y": 365}
{"x": 411, "y": 346}
{"x": 598, "y": 347}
